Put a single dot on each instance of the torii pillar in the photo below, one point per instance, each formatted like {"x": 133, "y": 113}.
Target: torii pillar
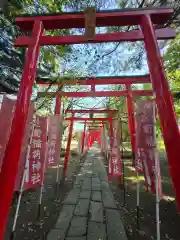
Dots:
{"x": 83, "y": 138}
{"x": 164, "y": 102}
{"x": 131, "y": 121}
{"x": 58, "y": 104}
{"x": 68, "y": 147}
{"x": 8, "y": 176}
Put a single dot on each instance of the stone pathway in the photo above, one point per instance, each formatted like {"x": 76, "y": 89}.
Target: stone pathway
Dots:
{"x": 89, "y": 211}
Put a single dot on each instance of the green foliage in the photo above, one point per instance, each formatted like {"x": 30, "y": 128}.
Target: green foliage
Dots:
{"x": 172, "y": 60}
{"x": 172, "y": 64}
{"x": 12, "y": 60}
{"x": 79, "y": 60}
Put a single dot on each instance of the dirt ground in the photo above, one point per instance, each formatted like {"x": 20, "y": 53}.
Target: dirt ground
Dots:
{"x": 169, "y": 218}
{"x": 28, "y": 224}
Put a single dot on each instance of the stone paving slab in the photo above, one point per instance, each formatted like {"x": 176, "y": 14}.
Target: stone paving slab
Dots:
{"x": 79, "y": 179}
{"x": 76, "y": 238}
{"x": 89, "y": 174}
{"x": 72, "y": 197}
{"x": 96, "y": 187}
{"x": 78, "y": 227}
{"x": 56, "y": 234}
{"x": 77, "y": 186}
{"x": 85, "y": 194}
{"x": 95, "y": 175}
{"x": 89, "y": 211}
{"x": 96, "y": 231}
{"x": 65, "y": 217}
{"x": 86, "y": 185}
{"x": 103, "y": 176}
{"x": 95, "y": 181}
{"x": 82, "y": 207}
{"x": 96, "y": 212}
{"x": 115, "y": 227}
{"x": 104, "y": 186}
{"x": 96, "y": 196}
{"x": 108, "y": 199}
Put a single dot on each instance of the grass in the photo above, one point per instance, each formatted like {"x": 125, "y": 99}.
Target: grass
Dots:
{"x": 161, "y": 145}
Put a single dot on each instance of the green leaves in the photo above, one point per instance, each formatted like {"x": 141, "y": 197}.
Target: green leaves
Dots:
{"x": 11, "y": 60}
{"x": 172, "y": 59}
{"x": 172, "y": 64}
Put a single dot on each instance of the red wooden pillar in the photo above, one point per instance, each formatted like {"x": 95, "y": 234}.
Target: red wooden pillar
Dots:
{"x": 12, "y": 153}
{"x": 111, "y": 132}
{"x": 131, "y": 121}
{"x": 111, "y": 142}
{"x": 83, "y": 138}
{"x": 58, "y": 105}
{"x": 68, "y": 147}
{"x": 164, "y": 103}
{"x": 104, "y": 138}
{"x": 93, "y": 88}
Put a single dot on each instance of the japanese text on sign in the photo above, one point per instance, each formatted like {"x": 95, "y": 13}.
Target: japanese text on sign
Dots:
{"x": 54, "y": 140}
{"x": 37, "y": 154}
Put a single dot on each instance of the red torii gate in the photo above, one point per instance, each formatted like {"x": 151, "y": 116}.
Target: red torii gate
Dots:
{"x": 99, "y": 128}
{"x": 87, "y": 111}
{"x": 109, "y": 111}
{"x": 103, "y": 80}
{"x": 126, "y": 80}
{"x": 135, "y": 93}
{"x": 129, "y": 98}
{"x": 73, "y": 118}
{"x": 37, "y": 24}
{"x": 136, "y": 35}
{"x": 101, "y": 125}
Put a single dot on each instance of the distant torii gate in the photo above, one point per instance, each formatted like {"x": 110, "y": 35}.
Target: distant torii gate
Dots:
{"x": 85, "y": 120}
{"x": 128, "y": 93}
{"x": 145, "y": 18}
{"x": 126, "y": 80}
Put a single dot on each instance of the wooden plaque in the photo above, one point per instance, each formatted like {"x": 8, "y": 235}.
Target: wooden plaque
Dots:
{"x": 90, "y": 23}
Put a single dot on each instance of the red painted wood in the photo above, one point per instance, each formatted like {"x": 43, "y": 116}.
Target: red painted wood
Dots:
{"x": 98, "y": 94}
{"x": 104, "y": 138}
{"x": 58, "y": 105}
{"x": 169, "y": 126}
{"x": 83, "y": 138}
{"x": 86, "y": 119}
{"x": 13, "y": 149}
{"x": 91, "y": 122}
{"x": 131, "y": 119}
{"x": 112, "y": 111}
{"x": 132, "y": 36}
{"x": 68, "y": 147}
{"x": 101, "y": 80}
{"x": 103, "y": 18}
{"x": 93, "y": 88}
{"x": 111, "y": 140}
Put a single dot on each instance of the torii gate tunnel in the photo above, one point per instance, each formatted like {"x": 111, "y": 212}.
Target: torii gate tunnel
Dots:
{"x": 146, "y": 19}
{"x": 127, "y": 81}
{"x": 85, "y": 121}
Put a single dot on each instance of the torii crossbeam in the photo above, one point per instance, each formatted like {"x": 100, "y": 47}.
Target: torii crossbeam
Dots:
{"x": 96, "y": 80}
{"x": 96, "y": 94}
{"x": 109, "y": 111}
{"x": 136, "y": 35}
